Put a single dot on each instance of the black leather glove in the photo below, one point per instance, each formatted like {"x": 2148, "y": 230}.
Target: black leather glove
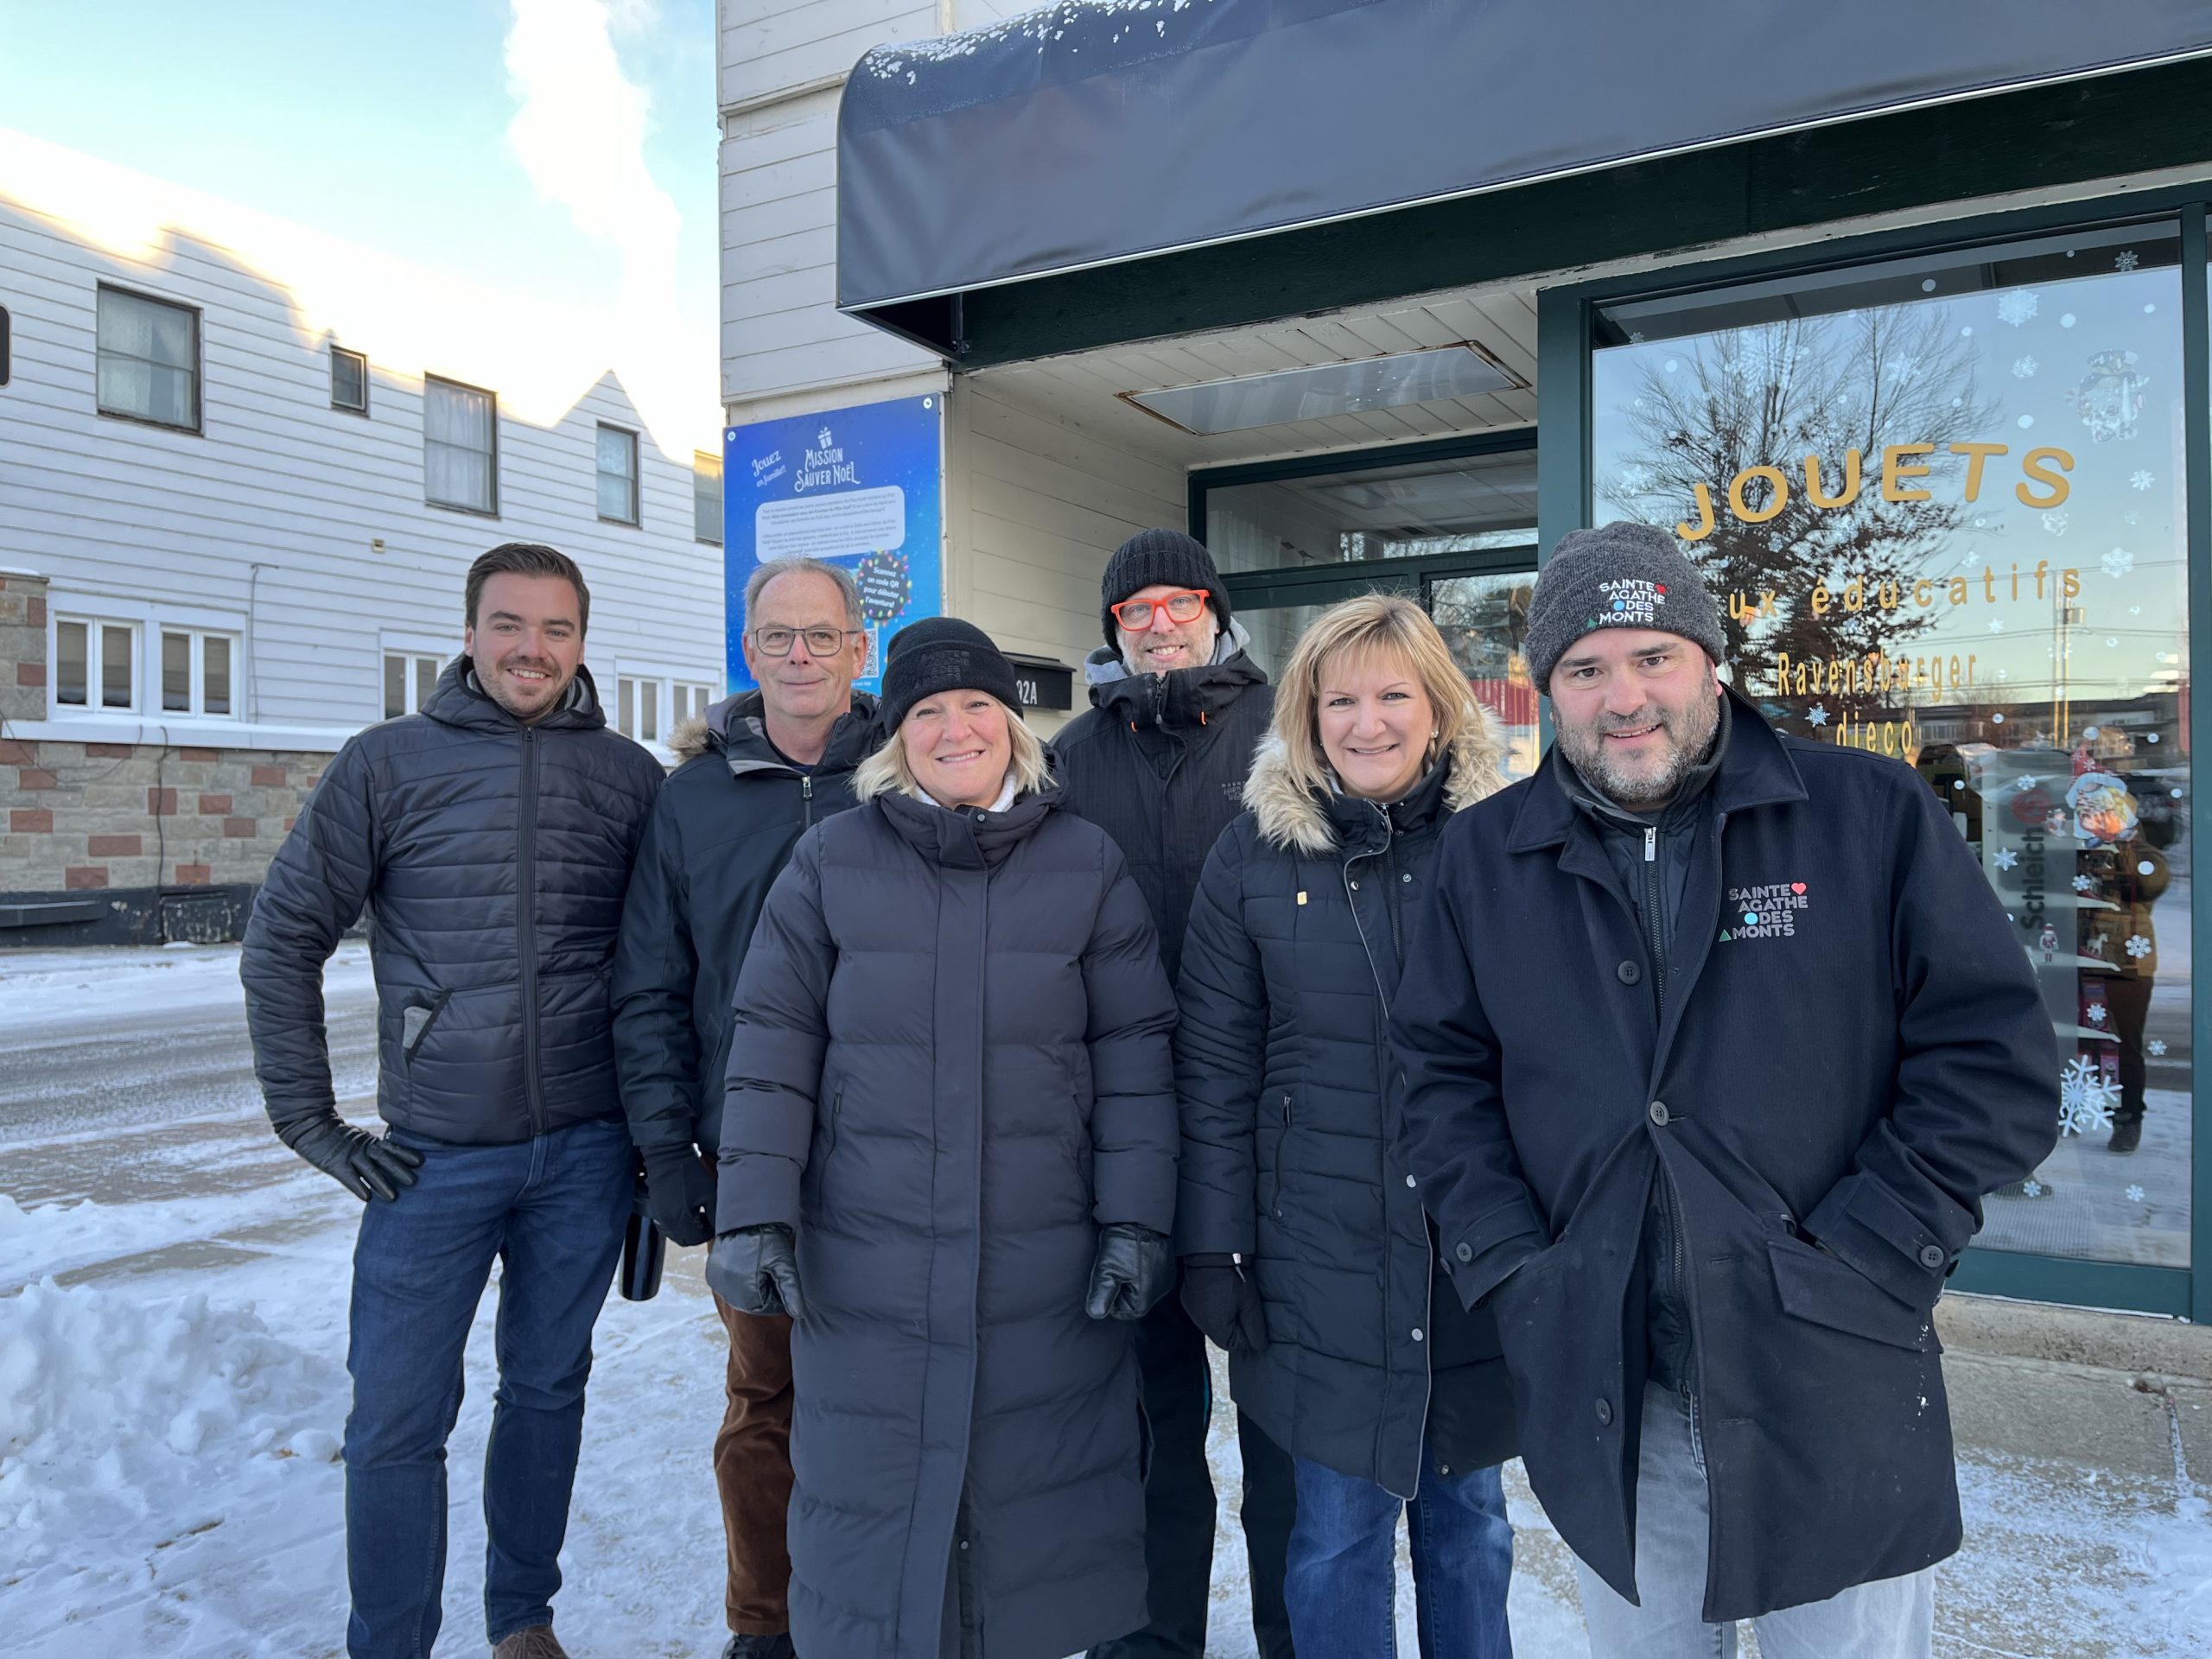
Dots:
{"x": 680, "y": 1194}
{"x": 358, "y": 1162}
{"x": 755, "y": 1270}
{"x": 1133, "y": 1269}
{"x": 1223, "y": 1302}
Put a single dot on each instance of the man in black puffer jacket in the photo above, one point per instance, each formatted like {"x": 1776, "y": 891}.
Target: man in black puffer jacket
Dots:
{"x": 489, "y": 838}
{"x": 1159, "y": 762}
{"x": 758, "y": 772}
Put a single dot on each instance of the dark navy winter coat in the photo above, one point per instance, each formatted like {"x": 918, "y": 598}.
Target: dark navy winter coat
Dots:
{"x": 950, "y": 1068}
{"x": 1293, "y": 1145}
{"x": 720, "y": 835}
{"x": 490, "y": 858}
{"x": 1851, "y": 1050}
{"x": 1159, "y": 762}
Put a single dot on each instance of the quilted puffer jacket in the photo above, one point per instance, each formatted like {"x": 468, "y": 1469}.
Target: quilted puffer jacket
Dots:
{"x": 490, "y": 858}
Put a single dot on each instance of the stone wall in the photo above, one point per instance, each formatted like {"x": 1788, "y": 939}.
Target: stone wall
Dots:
{"x": 136, "y": 821}
{"x": 82, "y": 817}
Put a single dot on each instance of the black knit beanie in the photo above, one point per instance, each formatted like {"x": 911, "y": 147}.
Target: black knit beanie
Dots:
{"x": 1159, "y": 555}
{"x": 942, "y": 654}
{"x": 1619, "y": 575}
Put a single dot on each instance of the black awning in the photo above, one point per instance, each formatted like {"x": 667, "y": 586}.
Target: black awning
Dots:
{"x": 1095, "y": 131}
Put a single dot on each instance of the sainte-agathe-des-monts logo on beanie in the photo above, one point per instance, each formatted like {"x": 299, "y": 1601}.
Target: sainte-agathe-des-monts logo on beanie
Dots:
{"x": 1628, "y": 603}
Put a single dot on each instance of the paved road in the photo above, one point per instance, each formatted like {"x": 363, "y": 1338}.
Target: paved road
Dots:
{"x": 127, "y": 1074}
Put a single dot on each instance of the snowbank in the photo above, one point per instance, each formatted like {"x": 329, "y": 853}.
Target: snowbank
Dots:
{"x": 131, "y": 1426}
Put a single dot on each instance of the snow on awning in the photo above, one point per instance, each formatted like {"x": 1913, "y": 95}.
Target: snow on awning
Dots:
{"x": 1095, "y": 132}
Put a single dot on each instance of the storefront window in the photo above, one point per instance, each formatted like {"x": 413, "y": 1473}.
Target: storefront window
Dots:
{"x": 1942, "y": 500}
{"x": 1470, "y": 505}
{"x": 1456, "y": 534}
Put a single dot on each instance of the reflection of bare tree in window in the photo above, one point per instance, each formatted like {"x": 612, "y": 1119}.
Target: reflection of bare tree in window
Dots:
{"x": 1483, "y": 621}
{"x": 1769, "y": 396}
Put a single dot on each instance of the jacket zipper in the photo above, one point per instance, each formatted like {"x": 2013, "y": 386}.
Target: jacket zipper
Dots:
{"x": 1654, "y": 925}
{"x": 526, "y": 925}
{"x": 1428, "y": 1278}
{"x": 806, "y": 797}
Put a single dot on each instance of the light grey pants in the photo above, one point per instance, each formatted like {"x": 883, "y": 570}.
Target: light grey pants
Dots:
{"x": 1893, "y": 1618}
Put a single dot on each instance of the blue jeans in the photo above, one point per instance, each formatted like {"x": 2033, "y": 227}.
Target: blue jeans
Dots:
{"x": 1893, "y": 1618}
{"x": 1342, "y": 1586}
{"x": 552, "y": 1210}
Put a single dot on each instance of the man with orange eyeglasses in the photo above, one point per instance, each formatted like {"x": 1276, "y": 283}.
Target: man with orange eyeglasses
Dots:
{"x": 1159, "y": 763}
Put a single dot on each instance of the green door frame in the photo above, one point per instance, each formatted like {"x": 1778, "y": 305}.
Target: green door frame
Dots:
{"x": 1564, "y": 318}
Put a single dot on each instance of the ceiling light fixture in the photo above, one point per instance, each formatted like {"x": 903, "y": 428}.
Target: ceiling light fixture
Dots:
{"x": 1434, "y": 375}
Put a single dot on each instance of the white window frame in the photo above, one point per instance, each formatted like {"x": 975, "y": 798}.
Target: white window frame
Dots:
{"x": 706, "y": 464}
{"x": 95, "y": 623}
{"x": 633, "y": 688}
{"x": 148, "y": 622}
{"x": 199, "y": 365}
{"x": 196, "y": 641}
{"x": 361, "y": 407}
{"x": 414, "y": 648}
{"x": 684, "y": 694}
{"x": 599, "y": 476}
{"x": 664, "y": 680}
{"x": 492, "y": 510}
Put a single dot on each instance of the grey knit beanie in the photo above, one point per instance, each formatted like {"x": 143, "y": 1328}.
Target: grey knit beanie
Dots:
{"x": 1619, "y": 575}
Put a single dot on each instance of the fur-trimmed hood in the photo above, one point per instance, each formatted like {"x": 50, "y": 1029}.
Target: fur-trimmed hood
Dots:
{"x": 1293, "y": 817}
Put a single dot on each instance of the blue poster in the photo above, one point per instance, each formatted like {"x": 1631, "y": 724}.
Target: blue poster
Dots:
{"x": 859, "y": 486}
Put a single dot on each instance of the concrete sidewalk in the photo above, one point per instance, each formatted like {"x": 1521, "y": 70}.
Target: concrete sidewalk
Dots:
{"x": 2085, "y": 1452}
{"x": 2085, "y": 1467}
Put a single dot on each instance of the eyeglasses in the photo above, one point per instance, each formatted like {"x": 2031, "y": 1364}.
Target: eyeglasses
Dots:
{"x": 820, "y": 642}
{"x": 1188, "y": 605}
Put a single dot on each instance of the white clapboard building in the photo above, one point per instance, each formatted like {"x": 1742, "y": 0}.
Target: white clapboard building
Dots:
{"x": 243, "y": 468}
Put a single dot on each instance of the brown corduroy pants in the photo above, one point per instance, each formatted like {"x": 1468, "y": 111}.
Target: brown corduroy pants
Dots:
{"x": 753, "y": 1470}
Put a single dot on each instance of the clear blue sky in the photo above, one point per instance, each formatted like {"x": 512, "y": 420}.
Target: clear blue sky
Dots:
{"x": 386, "y": 124}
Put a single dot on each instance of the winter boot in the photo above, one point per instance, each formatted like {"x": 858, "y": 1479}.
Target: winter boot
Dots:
{"x": 2126, "y": 1134}
{"x": 538, "y": 1642}
{"x": 758, "y": 1647}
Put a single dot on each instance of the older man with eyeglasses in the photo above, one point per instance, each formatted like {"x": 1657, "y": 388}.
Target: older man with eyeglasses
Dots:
{"x": 756, "y": 771}
{"x": 1159, "y": 763}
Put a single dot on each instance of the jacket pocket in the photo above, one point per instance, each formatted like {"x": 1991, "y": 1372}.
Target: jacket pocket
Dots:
{"x": 415, "y": 1021}
{"x": 1270, "y": 1193}
{"x": 1826, "y": 1290}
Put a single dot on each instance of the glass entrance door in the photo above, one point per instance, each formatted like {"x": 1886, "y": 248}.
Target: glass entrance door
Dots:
{"x": 1455, "y": 530}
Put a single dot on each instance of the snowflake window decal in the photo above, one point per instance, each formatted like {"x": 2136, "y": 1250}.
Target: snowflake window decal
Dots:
{"x": 2097, "y": 1010}
{"x": 2006, "y": 858}
{"x": 1817, "y": 714}
{"x": 2053, "y": 523}
{"x": 2126, "y": 261}
{"x": 2017, "y": 307}
{"x": 2118, "y": 562}
{"x": 2138, "y": 946}
{"x": 2157, "y": 1045}
{"x": 2085, "y": 1098}
{"x": 2141, "y": 479}
{"x": 2031, "y": 1189}
{"x": 2082, "y": 884}
{"x": 2134, "y": 1193}
{"x": 2024, "y": 368}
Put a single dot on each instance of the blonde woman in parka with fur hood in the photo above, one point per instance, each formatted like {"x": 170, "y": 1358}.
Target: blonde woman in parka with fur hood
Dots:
{"x": 1306, "y": 1251}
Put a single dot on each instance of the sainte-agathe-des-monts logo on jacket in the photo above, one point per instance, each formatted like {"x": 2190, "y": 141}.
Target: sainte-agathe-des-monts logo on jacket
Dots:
{"x": 1769, "y": 911}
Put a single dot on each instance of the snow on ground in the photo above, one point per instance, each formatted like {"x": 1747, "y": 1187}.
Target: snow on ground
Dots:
{"x": 172, "y": 1389}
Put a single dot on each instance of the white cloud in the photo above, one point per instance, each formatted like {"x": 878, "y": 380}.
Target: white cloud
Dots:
{"x": 579, "y": 130}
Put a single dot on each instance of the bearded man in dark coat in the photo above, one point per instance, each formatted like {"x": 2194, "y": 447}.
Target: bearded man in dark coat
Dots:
{"x": 1714, "y": 1039}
